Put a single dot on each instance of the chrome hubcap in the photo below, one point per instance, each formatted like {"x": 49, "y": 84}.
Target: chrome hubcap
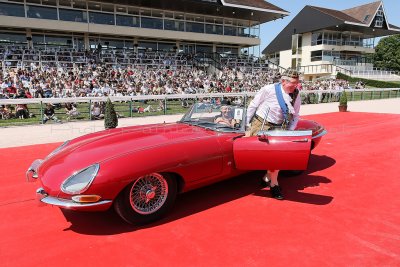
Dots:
{"x": 149, "y": 193}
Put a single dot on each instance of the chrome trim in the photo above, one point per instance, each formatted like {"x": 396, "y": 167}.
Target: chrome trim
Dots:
{"x": 285, "y": 133}
{"x": 66, "y": 203}
{"x": 55, "y": 151}
{"x": 94, "y": 174}
{"x": 324, "y": 132}
{"x": 31, "y": 173}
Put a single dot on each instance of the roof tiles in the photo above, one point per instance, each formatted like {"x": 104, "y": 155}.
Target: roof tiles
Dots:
{"x": 255, "y": 3}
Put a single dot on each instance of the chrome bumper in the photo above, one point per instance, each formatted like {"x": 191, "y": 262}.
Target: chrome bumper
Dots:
{"x": 43, "y": 197}
{"x": 31, "y": 173}
{"x": 324, "y": 132}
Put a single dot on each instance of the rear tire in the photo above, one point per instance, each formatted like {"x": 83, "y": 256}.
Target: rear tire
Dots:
{"x": 147, "y": 199}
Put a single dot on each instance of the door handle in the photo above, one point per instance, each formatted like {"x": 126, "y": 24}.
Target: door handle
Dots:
{"x": 304, "y": 140}
{"x": 263, "y": 138}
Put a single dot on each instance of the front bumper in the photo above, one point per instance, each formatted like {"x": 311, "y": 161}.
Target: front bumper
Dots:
{"x": 43, "y": 197}
{"x": 31, "y": 174}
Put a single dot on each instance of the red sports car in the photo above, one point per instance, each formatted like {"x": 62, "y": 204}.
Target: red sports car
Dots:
{"x": 139, "y": 170}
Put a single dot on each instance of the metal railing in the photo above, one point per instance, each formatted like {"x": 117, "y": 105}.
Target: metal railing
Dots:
{"x": 137, "y": 106}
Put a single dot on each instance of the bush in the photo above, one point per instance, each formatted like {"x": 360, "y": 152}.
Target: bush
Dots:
{"x": 343, "y": 99}
{"x": 372, "y": 83}
{"x": 110, "y": 116}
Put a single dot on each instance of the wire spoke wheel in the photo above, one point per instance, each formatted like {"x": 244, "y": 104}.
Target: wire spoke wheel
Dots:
{"x": 148, "y": 193}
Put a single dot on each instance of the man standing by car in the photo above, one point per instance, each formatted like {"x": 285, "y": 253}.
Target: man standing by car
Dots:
{"x": 279, "y": 104}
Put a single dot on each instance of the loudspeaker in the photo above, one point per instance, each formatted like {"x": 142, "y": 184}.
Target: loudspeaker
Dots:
{"x": 69, "y": 41}
{"x": 28, "y": 38}
{"x": 106, "y": 43}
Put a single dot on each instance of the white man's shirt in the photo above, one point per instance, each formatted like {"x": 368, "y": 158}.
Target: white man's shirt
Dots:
{"x": 266, "y": 102}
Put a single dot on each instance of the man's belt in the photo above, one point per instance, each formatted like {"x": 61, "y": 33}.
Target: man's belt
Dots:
{"x": 270, "y": 123}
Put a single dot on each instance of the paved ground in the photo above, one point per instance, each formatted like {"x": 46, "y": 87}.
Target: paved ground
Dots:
{"x": 49, "y": 133}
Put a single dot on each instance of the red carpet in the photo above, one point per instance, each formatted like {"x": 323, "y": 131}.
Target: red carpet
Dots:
{"x": 344, "y": 211}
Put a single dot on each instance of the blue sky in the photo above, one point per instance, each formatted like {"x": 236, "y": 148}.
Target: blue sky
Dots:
{"x": 271, "y": 29}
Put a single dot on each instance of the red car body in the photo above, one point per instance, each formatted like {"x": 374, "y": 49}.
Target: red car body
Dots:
{"x": 193, "y": 156}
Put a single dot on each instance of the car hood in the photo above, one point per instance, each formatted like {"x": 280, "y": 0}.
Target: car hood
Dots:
{"x": 106, "y": 145}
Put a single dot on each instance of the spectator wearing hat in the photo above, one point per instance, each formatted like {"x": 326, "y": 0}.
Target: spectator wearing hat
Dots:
{"x": 265, "y": 105}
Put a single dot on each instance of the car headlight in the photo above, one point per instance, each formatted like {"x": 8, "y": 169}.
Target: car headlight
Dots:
{"x": 55, "y": 151}
{"x": 80, "y": 181}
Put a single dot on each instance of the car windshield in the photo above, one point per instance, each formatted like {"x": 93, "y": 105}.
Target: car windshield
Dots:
{"x": 224, "y": 118}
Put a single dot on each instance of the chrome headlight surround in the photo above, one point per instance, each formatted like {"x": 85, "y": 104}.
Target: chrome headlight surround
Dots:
{"x": 80, "y": 181}
{"x": 55, "y": 151}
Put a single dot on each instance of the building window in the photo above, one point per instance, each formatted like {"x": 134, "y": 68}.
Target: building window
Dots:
{"x": 38, "y": 12}
{"x": 316, "y": 55}
{"x": 232, "y": 31}
{"x": 73, "y": 15}
{"x": 214, "y": 29}
{"x": 204, "y": 48}
{"x": 316, "y": 38}
{"x": 101, "y": 18}
{"x": 166, "y": 46}
{"x": 152, "y": 23}
{"x": 174, "y": 25}
{"x": 14, "y": 38}
{"x": 194, "y": 27}
{"x": 14, "y": 10}
{"x": 127, "y": 21}
{"x": 151, "y": 46}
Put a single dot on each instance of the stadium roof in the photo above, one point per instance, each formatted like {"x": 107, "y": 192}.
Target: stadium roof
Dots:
{"x": 311, "y": 18}
{"x": 253, "y": 10}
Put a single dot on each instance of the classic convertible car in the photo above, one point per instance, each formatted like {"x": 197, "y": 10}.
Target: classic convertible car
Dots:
{"x": 139, "y": 170}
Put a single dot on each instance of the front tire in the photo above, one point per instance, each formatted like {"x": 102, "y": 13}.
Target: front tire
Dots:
{"x": 147, "y": 199}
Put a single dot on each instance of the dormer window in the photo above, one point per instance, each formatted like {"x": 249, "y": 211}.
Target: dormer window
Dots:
{"x": 379, "y": 18}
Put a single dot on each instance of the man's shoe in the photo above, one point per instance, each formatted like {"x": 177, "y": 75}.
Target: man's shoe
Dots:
{"x": 276, "y": 192}
{"x": 264, "y": 183}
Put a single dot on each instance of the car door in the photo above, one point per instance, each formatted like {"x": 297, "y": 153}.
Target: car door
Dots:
{"x": 273, "y": 150}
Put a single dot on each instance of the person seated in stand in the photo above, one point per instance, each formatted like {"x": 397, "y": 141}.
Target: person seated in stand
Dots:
{"x": 226, "y": 117}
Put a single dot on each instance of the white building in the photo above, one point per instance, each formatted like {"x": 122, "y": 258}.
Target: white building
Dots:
{"x": 321, "y": 42}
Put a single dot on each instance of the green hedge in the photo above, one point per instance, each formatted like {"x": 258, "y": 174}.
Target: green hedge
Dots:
{"x": 372, "y": 83}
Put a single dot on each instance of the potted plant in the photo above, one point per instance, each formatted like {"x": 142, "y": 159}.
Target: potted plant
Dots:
{"x": 343, "y": 102}
{"x": 110, "y": 116}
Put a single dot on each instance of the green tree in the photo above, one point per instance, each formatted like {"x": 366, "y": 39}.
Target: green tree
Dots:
{"x": 387, "y": 53}
{"x": 110, "y": 116}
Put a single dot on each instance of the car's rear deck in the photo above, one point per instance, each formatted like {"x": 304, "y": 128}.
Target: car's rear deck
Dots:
{"x": 343, "y": 211}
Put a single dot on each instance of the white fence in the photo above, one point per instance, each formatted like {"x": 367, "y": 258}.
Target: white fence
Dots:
{"x": 394, "y": 92}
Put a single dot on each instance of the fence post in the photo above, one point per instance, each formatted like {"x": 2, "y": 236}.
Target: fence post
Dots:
{"x": 165, "y": 106}
{"x": 389, "y": 93}
{"x": 90, "y": 113}
{"x": 130, "y": 108}
{"x": 41, "y": 111}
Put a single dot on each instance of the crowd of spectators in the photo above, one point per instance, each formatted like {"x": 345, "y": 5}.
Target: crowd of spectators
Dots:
{"x": 105, "y": 74}
{"x": 334, "y": 86}
{"x": 63, "y": 74}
